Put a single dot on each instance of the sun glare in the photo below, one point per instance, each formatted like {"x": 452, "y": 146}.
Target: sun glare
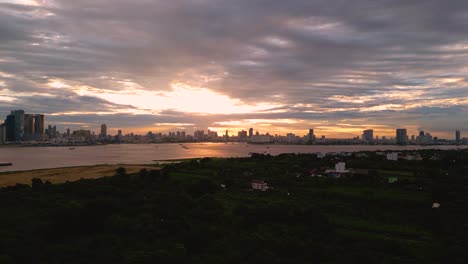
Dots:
{"x": 181, "y": 98}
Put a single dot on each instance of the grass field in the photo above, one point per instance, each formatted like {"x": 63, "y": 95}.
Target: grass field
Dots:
{"x": 396, "y": 173}
{"x": 60, "y": 175}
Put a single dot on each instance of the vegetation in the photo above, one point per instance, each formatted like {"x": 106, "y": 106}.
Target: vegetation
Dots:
{"x": 204, "y": 211}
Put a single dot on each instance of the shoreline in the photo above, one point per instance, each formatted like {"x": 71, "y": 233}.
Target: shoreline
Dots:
{"x": 95, "y": 144}
{"x": 64, "y": 174}
{"x": 56, "y": 157}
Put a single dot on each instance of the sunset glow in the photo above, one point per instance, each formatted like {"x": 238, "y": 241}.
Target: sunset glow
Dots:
{"x": 281, "y": 69}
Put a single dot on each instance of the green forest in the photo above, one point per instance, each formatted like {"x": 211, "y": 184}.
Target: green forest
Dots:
{"x": 205, "y": 211}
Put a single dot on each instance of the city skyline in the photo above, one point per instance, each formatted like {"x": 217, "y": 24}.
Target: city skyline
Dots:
{"x": 278, "y": 66}
{"x": 31, "y": 127}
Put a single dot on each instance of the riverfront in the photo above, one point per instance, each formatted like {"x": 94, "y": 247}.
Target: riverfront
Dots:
{"x": 31, "y": 158}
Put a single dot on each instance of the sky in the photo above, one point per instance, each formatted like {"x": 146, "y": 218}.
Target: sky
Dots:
{"x": 278, "y": 66}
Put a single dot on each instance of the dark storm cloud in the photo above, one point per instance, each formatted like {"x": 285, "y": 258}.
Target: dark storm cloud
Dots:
{"x": 61, "y": 104}
{"x": 319, "y": 60}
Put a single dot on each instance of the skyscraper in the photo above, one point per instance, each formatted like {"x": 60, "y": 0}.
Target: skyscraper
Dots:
{"x": 401, "y": 136}
{"x": 51, "y": 131}
{"x": 103, "y": 130}
{"x": 39, "y": 127}
{"x": 28, "y": 126}
{"x": 2, "y": 134}
{"x": 457, "y": 136}
{"x": 368, "y": 135}
{"x": 19, "y": 124}
{"x": 199, "y": 135}
{"x": 250, "y": 132}
{"x": 10, "y": 128}
{"x": 311, "y": 136}
{"x": 242, "y": 134}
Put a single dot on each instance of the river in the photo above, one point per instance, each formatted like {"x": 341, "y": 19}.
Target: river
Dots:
{"x": 29, "y": 158}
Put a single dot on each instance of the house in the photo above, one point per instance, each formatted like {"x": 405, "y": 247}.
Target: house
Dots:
{"x": 315, "y": 173}
{"x": 333, "y": 174}
{"x": 321, "y": 155}
{"x": 338, "y": 172}
{"x": 392, "y": 179}
{"x": 340, "y": 167}
{"x": 392, "y": 156}
{"x": 260, "y": 185}
{"x": 247, "y": 173}
{"x": 360, "y": 155}
{"x": 412, "y": 157}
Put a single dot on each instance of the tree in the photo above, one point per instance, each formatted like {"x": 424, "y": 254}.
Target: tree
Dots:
{"x": 120, "y": 171}
{"x": 36, "y": 183}
{"x": 143, "y": 173}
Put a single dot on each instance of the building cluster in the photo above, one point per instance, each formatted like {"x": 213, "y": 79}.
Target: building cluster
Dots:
{"x": 19, "y": 126}
{"x": 368, "y": 137}
{"x": 402, "y": 138}
{"x": 213, "y": 136}
{"x": 23, "y": 128}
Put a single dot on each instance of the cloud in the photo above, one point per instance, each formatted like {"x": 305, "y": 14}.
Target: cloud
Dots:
{"x": 305, "y": 60}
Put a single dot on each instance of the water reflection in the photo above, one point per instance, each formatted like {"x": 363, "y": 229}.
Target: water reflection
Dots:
{"x": 28, "y": 158}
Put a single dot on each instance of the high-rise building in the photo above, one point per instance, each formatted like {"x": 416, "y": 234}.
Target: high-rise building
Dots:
{"x": 401, "y": 136}
{"x": 81, "y": 135}
{"x": 10, "y": 128}
{"x": 199, "y": 135}
{"x": 51, "y": 131}
{"x": 19, "y": 124}
{"x": 457, "y": 136}
{"x": 311, "y": 136}
{"x": 368, "y": 135}
{"x": 291, "y": 138}
{"x": 242, "y": 134}
{"x": 103, "y": 130}
{"x": 211, "y": 135}
{"x": 28, "y": 126}
{"x": 2, "y": 134}
{"x": 425, "y": 138}
{"x": 251, "y": 132}
{"x": 428, "y": 138}
{"x": 39, "y": 127}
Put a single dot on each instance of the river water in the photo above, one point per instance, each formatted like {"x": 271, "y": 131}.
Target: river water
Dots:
{"x": 29, "y": 158}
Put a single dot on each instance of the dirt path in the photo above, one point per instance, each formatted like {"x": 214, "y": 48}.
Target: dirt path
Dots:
{"x": 59, "y": 175}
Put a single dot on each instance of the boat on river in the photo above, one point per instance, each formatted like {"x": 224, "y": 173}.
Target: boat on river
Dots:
{"x": 4, "y": 164}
